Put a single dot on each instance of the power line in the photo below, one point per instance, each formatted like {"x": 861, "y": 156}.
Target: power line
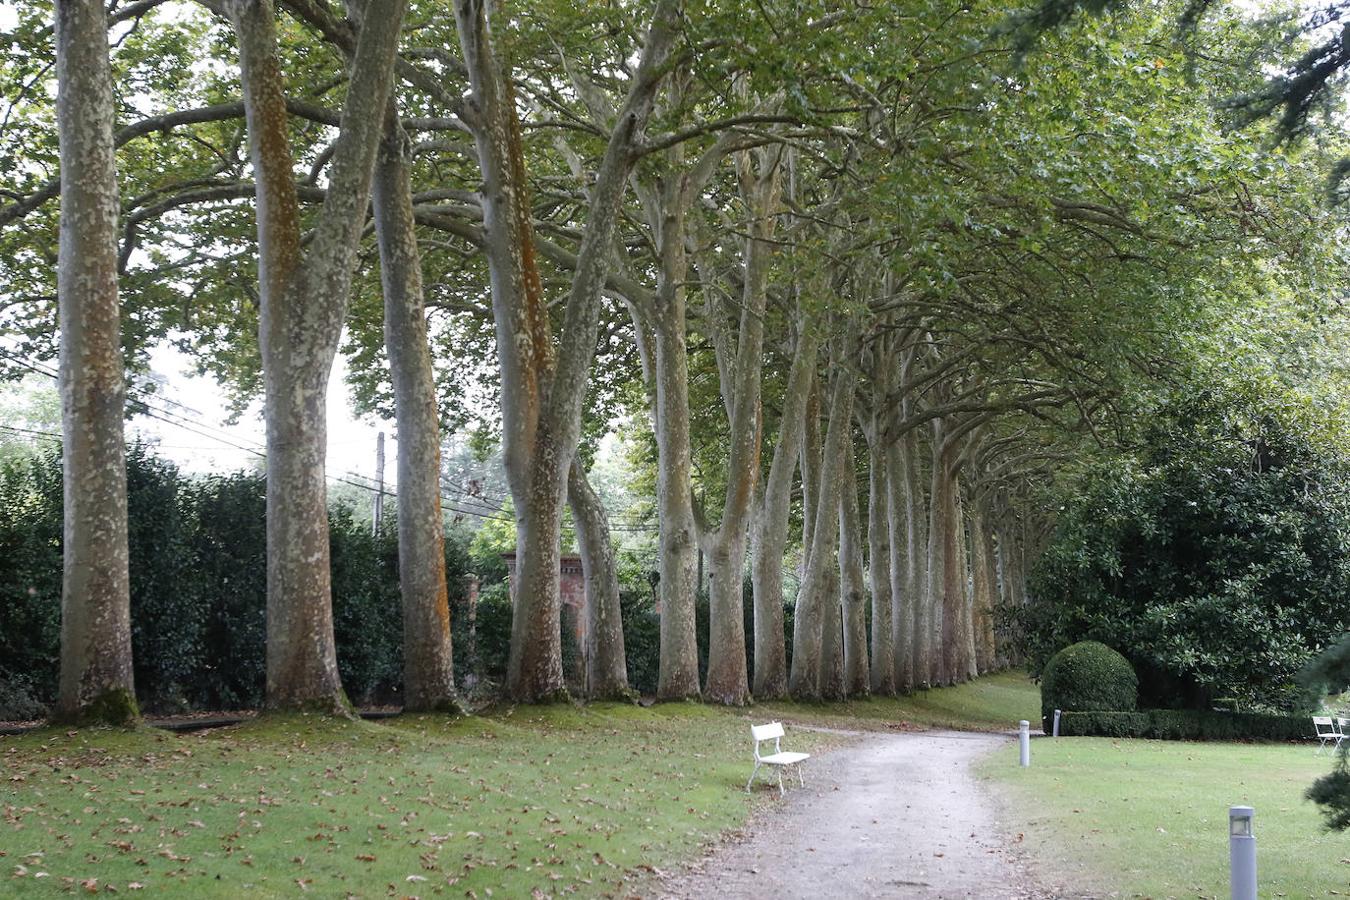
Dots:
{"x": 485, "y": 511}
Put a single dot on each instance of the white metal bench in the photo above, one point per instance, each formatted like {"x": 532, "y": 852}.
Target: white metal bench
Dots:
{"x": 779, "y": 757}
{"x": 1327, "y": 729}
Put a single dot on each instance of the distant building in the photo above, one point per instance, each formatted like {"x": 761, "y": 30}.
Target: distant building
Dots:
{"x": 572, "y": 592}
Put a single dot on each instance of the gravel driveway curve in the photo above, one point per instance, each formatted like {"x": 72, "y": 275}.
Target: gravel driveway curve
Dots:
{"x": 892, "y": 815}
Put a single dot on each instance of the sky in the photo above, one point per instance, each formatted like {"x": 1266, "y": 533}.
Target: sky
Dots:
{"x": 351, "y": 441}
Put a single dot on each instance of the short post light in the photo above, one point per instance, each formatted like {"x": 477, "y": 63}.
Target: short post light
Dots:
{"x": 1024, "y": 741}
{"x": 1242, "y": 852}
{"x": 1055, "y": 732}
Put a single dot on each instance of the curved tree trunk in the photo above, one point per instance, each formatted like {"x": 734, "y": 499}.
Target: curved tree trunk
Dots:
{"x": 96, "y": 666}
{"x": 542, "y": 394}
{"x": 727, "y": 681}
{"x": 606, "y": 664}
{"x": 770, "y": 528}
{"x": 304, "y": 295}
{"x": 428, "y": 662}
{"x": 816, "y": 600}
{"x": 852, "y": 592}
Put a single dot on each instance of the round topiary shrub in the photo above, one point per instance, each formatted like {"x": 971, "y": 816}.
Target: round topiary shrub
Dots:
{"x": 1087, "y": 676}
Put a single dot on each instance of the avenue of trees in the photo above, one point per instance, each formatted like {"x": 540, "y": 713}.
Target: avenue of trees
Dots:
{"x": 883, "y": 283}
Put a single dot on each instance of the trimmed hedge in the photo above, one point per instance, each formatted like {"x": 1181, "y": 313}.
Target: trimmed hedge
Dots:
{"x": 1184, "y": 725}
{"x": 1088, "y": 676}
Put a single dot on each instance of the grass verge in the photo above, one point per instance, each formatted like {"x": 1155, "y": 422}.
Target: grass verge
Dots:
{"x": 993, "y": 703}
{"x": 1138, "y": 818}
{"x": 525, "y": 802}
{"x": 530, "y": 802}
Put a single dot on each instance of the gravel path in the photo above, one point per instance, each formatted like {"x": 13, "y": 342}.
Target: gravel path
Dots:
{"x": 892, "y": 815}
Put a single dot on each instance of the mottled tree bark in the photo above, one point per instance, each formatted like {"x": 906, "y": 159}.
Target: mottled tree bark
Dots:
{"x": 727, "y": 680}
{"x": 831, "y": 682}
{"x": 943, "y": 591}
{"x": 304, "y": 296}
{"x": 816, "y": 600}
{"x": 852, "y": 592}
{"x": 96, "y": 667}
{"x": 883, "y": 665}
{"x": 929, "y": 661}
{"x": 983, "y": 584}
{"x": 542, "y": 393}
{"x": 678, "y": 655}
{"x": 964, "y": 667}
{"x": 909, "y": 539}
{"x": 428, "y": 662}
{"x": 770, "y": 527}
{"x": 606, "y": 664}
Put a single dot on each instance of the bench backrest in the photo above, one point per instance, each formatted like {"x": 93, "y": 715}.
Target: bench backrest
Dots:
{"x": 766, "y": 732}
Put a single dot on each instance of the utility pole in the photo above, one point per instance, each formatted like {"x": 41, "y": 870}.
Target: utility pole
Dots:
{"x": 379, "y": 484}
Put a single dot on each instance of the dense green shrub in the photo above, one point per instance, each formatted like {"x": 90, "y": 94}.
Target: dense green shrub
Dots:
{"x": 30, "y": 584}
{"x": 197, "y": 556}
{"x": 1217, "y": 559}
{"x": 1088, "y": 676}
{"x": 1185, "y": 725}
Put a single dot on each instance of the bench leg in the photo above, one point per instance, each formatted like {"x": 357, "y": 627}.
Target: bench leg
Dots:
{"x": 800, "y": 780}
{"x": 781, "y": 792}
{"x": 752, "y": 777}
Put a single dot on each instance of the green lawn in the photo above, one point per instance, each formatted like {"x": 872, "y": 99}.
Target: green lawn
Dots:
{"x": 992, "y": 703}
{"x": 1150, "y": 818}
{"x": 554, "y": 800}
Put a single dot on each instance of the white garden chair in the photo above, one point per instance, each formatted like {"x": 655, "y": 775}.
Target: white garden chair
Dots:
{"x": 779, "y": 758}
{"x": 1326, "y": 729}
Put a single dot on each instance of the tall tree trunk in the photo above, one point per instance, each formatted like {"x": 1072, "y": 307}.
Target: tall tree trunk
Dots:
{"x": 770, "y": 527}
{"x": 852, "y": 593}
{"x": 542, "y": 396}
{"x": 909, "y": 571}
{"x": 96, "y": 667}
{"x": 810, "y": 467}
{"x": 428, "y": 663}
{"x": 929, "y": 658}
{"x": 678, "y": 663}
{"x": 831, "y": 686}
{"x": 983, "y": 584}
{"x": 303, "y": 304}
{"x": 879, "y": 562}
{"x": 816, "y": 601}
{"x": 606, "y": 664}
{"x": 963, "y": 668}
{"x": 727, "y": 679}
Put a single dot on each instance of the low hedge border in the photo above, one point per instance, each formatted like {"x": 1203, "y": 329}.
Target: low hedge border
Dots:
{"x": 1184, "y": 725}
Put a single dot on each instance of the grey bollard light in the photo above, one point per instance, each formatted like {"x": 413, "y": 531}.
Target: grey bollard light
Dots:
{"x": 1056, "y": 727}
{"x": 1024, "y": 741}
{"x": 1241, "y": 852}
